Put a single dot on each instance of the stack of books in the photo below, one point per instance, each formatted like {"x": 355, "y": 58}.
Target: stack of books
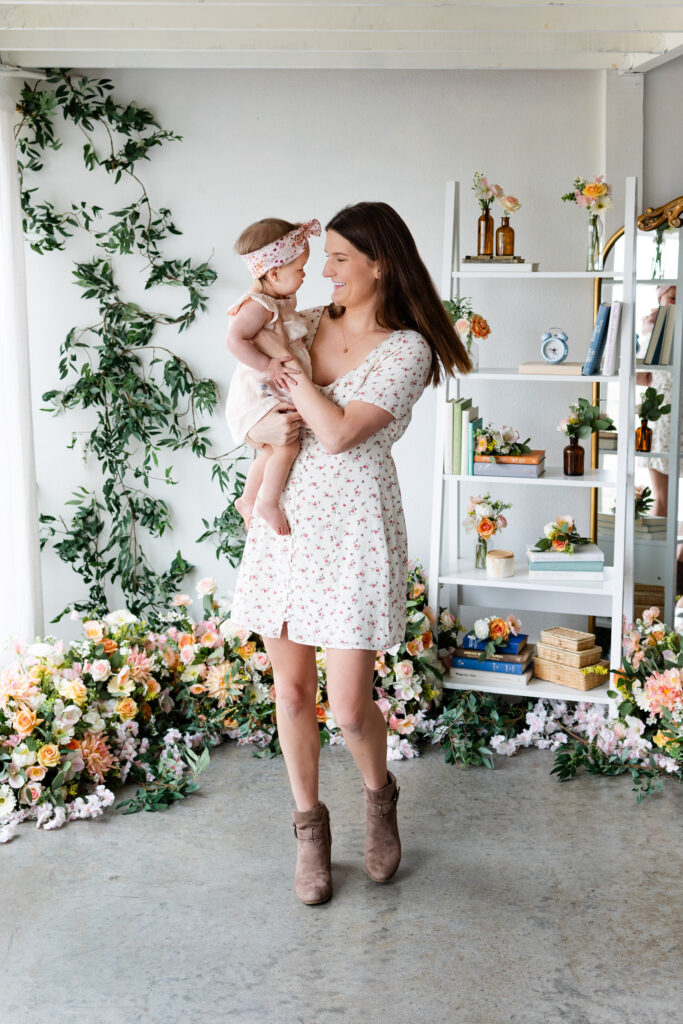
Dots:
{"x": 462, "y": 419}
{"x": 531, "y": 464}
{"x": 649, "y": 528}
{"x": 513, "y": 659}
{"x": 658, "y": 352}
{"x": 585, "y": 565}
{"x": 565, "y": 656}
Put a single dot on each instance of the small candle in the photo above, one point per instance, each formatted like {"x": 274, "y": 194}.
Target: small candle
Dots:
{"x": 500, "y": 563}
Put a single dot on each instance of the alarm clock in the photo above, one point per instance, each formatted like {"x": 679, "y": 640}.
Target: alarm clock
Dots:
{"x": 554, "y": 348}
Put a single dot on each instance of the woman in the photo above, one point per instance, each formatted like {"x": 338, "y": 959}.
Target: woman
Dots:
{"x": 338, "y": 580}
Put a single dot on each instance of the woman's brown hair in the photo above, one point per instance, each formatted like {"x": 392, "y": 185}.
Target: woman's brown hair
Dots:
{"x": 407, "y": 296}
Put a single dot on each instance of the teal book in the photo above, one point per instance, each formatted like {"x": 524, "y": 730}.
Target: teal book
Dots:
{"x": 566, "y": 566}
{"x": 471, "y": 427}
{"x": 459, "y": 407}
{"x": 597, "y": 342}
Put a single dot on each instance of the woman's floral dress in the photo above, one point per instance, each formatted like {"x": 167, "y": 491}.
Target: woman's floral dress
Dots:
{"x": 339, "y": 579}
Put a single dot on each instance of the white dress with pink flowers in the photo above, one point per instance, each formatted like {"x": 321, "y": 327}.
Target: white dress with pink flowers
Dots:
{"x": 339, "y": 579}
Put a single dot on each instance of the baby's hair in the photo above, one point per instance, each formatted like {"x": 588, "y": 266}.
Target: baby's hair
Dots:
{"x": 263, "y": 232}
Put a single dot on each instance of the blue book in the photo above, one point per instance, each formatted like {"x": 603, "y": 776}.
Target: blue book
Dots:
{"x": 471, "y": 427}
{"x": 513, "y": 668}
{"x": 513, "y": 646}
{"x": 597, "y": 342}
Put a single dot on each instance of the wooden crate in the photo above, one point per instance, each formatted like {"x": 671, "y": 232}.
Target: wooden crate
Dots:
{"x": 567, "y": 639}
{"x": 566, "y": 676}
{"x": 573, "y": 659}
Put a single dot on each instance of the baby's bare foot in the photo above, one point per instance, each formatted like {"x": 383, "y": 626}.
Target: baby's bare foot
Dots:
{"x": 245, "y": 507}
{"x": 274, "y": 516}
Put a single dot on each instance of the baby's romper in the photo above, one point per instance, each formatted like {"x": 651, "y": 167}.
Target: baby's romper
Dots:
{"x": 250, "y": 395}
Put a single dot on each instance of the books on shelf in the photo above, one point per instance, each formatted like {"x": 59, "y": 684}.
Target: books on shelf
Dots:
{"x": 522, "y": 656}
{"x": 513, "y": 646}
{"x": 533, "y": 457}
{"x": 475, "y": 678}
{"x": 586, "y": 565}
{"x": 496, "y": 468}
{"x": 503, "y": 664}
{"x": 667, "y": 337}
{"x": 583, "y": 553}
{"x": 610, "y": 358}
{"x": 651, "y": 527}
{"x": 597, "y": 343}
{"x": 566, "y": 369}
{"x": 655, "y": 343}
{"x": 474, "y": 422}
{"x": 517, "y": 263}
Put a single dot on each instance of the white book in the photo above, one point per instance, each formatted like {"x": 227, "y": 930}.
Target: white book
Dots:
{"x": 594, "y": 576}
{"x": 478, "y": 677}
{"x": 609, "y": 359}
{"x": 582, "y": 553}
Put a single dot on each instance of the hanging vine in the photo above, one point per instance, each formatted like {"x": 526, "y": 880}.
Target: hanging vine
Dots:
{"x": 145, "y": 398}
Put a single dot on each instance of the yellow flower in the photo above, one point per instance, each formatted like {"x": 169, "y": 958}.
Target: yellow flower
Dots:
{"x": 25, "y": 721}
{"x": 127, "y": 708}
{"x": 594, "y": 189}
{"x": 246, "y": 650}
{"x": 48, "y": 755}
{"x": 660, "y": 739}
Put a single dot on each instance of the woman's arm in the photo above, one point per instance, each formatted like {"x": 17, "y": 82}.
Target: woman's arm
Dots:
{"x": 338, "y": 430}
{"x": 243, "y": 328}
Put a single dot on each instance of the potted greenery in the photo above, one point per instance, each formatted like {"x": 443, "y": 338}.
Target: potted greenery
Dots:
{"x": 651, "y": 408}
{"x": 584, "y": 419}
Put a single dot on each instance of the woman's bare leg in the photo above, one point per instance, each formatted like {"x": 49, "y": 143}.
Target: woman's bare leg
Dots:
{"x": 245, "y": 503}
{"x": 296, "y": 682}
{"x": 274, "y": 480}
{"x": 349, "y": 688}
{"x": 660, "y": 491}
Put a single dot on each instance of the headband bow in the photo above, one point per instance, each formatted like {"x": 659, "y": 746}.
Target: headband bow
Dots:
{"x": 282, "y": 251}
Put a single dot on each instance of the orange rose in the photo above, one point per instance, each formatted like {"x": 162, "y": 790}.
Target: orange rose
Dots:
{"x": 127, "y": 708}
{"x": 486, "y": 527}
{"x": 185, "y": 640}
{"x": 498, "y": 629}
{"x": 559, "y": 544}
{"x": 48, "y": 755}
{"x": 479, "y": 327}
{"x": 109, "y": 645}
{"x": 321, "y": 712}
{"x": 428, "y": 639}
{"x": 594, "y": 189}
{"x": 146, "y": 712}
{"x": 246, "y": 650}
{"x": 25, "y": 721}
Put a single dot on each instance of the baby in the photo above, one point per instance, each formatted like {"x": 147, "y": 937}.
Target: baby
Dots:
{"x": 266, "y": 336}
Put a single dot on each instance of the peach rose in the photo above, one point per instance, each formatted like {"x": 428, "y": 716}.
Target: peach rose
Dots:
{"x": 75, "y": 690}
{"x": 480, "y": 327}
{"x": 186, "y": 639}
{"x": 36, "y": 772}
{"x": 246, "y": 650}
{"x": 486, "y": 527}
{"x": 127, "y": 709}
{"x": 25, "y": 721}
{"x": 48, "y": 755}
{"x": 93, "y": 630}
{"x": 109, "y": 645}
{"x": 594, "y": 189}
{"x": 498, "y": 629}
{"x": 559, "y": 544}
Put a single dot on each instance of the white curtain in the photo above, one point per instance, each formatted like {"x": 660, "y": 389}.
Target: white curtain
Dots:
{"x": 21, "y": 599}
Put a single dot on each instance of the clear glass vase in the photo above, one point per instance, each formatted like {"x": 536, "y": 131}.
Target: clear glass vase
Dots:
{"x": 480, "y": 553}
{"x": 473, "y": 353}
{"x": 594, "y": 243}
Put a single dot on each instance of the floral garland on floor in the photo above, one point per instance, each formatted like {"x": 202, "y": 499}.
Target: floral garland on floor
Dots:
{"x": 129, "y": 704}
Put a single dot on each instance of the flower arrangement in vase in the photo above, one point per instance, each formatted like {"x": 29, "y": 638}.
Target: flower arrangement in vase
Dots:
{"x": 584, "y": 419}
{"x": 486, "y": 517}
{"x": 650, "y": 408}
{"x": 596, "y": 197}
{"x": 468, "y": 325}
{"x": 560, "y": 535}
{"x": 495, "y": 632}
{"x": 489, "y": 441}
{"x": 485, "y": 194}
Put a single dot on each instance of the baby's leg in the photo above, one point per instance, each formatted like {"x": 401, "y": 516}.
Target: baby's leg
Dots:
{"x": 245, "y": 504}
{"x": 274, "y": 479}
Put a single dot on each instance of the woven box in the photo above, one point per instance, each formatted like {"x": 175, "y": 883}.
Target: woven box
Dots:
{"x": 567, "y": 639}
{"x": 566, "y": 676}
{"x": 573, "y": 659}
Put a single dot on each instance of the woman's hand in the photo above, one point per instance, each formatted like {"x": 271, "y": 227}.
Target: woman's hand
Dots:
{"x": 280, "y": 426}
{"x": 287, "y": 375}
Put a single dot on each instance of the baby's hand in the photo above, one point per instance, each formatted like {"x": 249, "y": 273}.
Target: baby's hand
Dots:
{"x": 287, "y": 373}
{"x": 275, "y": 369}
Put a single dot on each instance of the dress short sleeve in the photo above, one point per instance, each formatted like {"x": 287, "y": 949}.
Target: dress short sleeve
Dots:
{"x": 397, "y": 378}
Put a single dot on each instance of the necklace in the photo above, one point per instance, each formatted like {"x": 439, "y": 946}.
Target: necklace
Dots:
{"x": 345, "y": 346}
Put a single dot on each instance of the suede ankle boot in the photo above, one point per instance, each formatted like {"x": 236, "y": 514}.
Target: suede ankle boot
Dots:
{"x": 382, "y": 843}
{"x": 313, "y": 878}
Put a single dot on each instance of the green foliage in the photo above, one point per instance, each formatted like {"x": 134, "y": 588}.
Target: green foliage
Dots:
{"x": 167, "y": 785}
{"x": 470, "y": 719}
{"x": 586, "y": 419}
{"x": 652, "y": 406}
{"x": 578, "y": 753}
{"x": 143, "y": 397}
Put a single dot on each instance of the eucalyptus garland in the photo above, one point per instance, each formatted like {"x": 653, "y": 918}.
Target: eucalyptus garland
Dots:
{"x": 145, "y": 399}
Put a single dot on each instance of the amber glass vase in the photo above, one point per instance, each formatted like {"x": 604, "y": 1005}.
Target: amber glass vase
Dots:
{"x": 505, "y": 239}
{"x": 643, "y": 437}
{"x": 573, "y": 458}
{"x": 485, "y": 234}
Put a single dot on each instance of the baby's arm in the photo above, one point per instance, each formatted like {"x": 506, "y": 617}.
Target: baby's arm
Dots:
{"x": 242, "y": 330}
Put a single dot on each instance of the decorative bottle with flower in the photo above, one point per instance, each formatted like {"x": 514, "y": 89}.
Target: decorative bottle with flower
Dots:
{"x": 485, "y": 516}
{"x": 596, "y": 197}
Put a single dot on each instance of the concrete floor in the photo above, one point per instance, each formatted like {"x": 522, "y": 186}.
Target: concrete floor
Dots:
{"x": 519, "y": 901}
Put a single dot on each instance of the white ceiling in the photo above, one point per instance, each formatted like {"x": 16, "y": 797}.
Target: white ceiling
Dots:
{"x": 523, "y": 34}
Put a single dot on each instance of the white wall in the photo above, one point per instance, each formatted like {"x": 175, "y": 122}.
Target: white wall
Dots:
{"x": 663, "y": 151}
{"x": 302, "y": 144}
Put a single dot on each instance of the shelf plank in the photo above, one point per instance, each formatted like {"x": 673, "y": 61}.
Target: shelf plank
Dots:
{"x": 525, "y": 275}
{"x": 464, "y": 574}
{"x": 553, "y": 477}
{"x": 511, "y": 372}
{"x": 537, "y": 689}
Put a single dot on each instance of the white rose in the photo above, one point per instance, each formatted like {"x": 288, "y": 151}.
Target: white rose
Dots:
{"x": 206, "y": 586}
{"x": 121, "y": 617}
{"x": 509, "y": 434}
{"x": 481, "y": 629}
{"x": 22, "y": 756}
{"x": 549, "y": 529}
{"x": 483, "y": 509}
{"x": 39, "y": 650}
{"x": 100, "y": 670}
{"x": 260, "y": 661}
